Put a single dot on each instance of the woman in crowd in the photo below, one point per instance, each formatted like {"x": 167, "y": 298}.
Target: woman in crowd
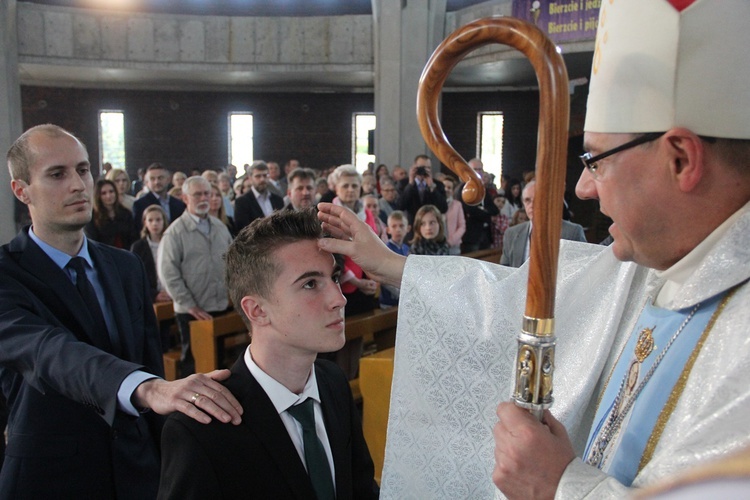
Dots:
{"x": 381, "y": 171}
{"x": 370, "y": 201}
{"x": 369, "y": 185}
{"x": 225, "y": 186}
{"x": 455, "y": 222}
{"x": 357, "y": 289}
{"x": 518, "y": 217}
{"x": 321, "y": 188}
{"x": 154, "y": 223}
{"x": 217, "y": 209}
{"x": 429, "y": 233}
{"x": 122, "y": 182}
{"x": 501, "y": 221}
{"x": 238, "y": 188}
{"x": 347, "y": 186}
{"x": 178, "y": 178}
{"x": 513, "y": 201}
{"x": 111, "y": 223}
{"x": 147, "y": 248}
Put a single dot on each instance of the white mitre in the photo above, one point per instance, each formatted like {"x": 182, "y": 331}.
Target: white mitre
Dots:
{"x": 660, "y": 64}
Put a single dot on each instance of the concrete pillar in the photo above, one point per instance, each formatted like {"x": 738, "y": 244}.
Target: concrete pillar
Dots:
{"x": 11, "y": 124}
{"x": 405, "y": 32}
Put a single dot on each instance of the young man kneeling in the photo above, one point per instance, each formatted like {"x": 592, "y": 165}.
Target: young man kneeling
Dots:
{"x": 288, "y": 294}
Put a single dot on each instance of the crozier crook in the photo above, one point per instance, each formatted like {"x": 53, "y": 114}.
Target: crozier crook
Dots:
{"x": 536, "y": 342}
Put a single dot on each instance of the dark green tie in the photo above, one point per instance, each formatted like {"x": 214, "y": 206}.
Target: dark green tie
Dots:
{"x": 315, "y": 456}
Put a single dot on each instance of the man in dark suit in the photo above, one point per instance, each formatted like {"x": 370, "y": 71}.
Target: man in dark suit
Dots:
{"x": 478, "y": 235}
{"x": 516, "y": 238}
{"x": 422, "y": 190}
{"x": 157, "y": 181}
{"x": 79, "y": 346}
{"x": 294, "y": 310}
{"x": 258, "y": 201}
{"x": 274, "y": 179}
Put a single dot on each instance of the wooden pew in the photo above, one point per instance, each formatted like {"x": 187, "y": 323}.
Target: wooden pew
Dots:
{"x": 376, "y": 375}
{"x": 207, "y": 337}
{"x": 164, "y": 310}
{"x": 377, "y": 329}
{"x": 367, "y": 324}
{"x": 490, "y": 255}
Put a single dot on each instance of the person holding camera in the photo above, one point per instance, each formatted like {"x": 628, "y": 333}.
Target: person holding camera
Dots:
{"x": 422, "y": 190}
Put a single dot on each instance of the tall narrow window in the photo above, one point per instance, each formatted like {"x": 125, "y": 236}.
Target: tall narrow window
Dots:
{"x": 490, "y": 142}
{"x": 362, "y": 147}
{"x": 240, "y": 139}
{"x": 112, "y": 138}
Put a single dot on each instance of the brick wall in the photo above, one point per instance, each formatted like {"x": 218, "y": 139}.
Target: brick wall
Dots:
{"x": 186, "y": 130}
{"x": 520, "y": 111}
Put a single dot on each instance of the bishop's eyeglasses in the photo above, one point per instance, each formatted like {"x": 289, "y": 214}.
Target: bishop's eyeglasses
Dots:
{"x": 590, "y": 162}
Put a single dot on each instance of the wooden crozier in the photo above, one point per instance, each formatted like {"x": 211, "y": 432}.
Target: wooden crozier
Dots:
{"x": 535, "y": 359}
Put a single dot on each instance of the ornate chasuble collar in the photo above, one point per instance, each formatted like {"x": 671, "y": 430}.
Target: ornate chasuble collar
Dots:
{"x": 648, "y": 375}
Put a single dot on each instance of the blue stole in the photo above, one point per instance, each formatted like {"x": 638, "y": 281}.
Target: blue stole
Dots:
{"x": 623, "y": 454}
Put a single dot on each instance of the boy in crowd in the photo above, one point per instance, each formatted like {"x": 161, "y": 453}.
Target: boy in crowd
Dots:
{"x": 304, "y": 437}
{"x": 397, "y": 229}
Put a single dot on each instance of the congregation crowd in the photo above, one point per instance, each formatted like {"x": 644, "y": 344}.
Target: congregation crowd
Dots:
{"x": 181, "y": 226}
{"x": 184, "y": 227}
{"x": 651, "y": 399}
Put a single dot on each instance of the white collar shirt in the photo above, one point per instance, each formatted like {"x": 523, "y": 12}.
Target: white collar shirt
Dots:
{"x": 264, "y": 200}
{"x": 282, "y": 399}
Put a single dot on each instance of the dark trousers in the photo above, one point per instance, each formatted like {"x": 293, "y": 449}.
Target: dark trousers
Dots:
{"x": 187, "y": 362}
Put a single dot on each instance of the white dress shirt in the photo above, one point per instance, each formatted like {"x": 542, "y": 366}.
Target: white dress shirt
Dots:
{"x": 282, "y": 398}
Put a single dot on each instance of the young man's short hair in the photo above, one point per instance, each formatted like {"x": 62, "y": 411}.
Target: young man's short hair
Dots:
{"x": 397, "y": 215}
{"x": 250, "y": 265}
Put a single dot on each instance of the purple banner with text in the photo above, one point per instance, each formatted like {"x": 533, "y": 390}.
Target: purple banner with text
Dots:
{"x": 563, "y": 21}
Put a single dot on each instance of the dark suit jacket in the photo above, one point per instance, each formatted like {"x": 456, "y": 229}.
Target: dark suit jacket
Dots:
{"x": 142, "y": 249}
{"x": 478, "y": 219}
{"x": 118, "y": 232}
{"x": 514, "y": 241}
{"x": 257, "y": 458}
{"x": 66, "y": 437}
{"x": 176, "y": 207}
{"x": 409, "y": 200}
{"x": 246, "y": 209}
